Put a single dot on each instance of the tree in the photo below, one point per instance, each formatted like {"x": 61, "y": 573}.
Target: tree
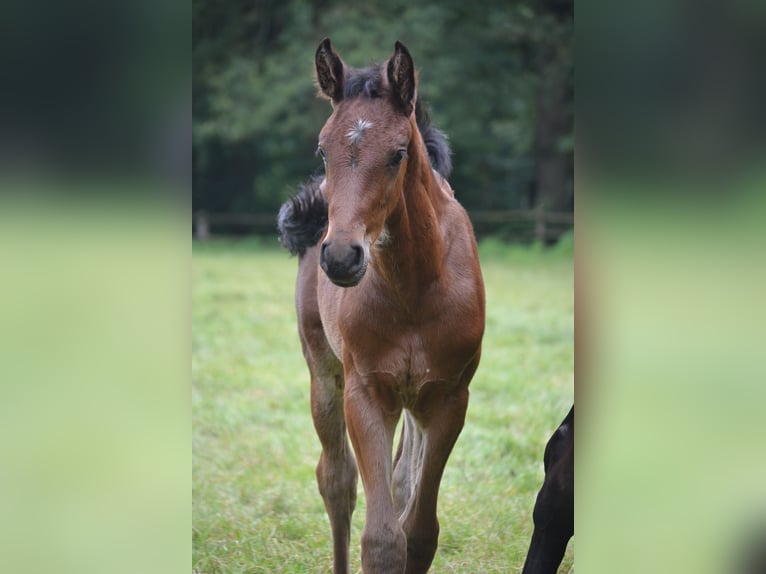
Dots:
{"x": 497, "y": 80}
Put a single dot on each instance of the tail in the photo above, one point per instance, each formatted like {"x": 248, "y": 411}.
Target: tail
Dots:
{"x": 303, "y": 218}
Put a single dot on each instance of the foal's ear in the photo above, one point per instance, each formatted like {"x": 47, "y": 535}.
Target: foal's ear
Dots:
{"x": 401, "y": 78}
{"x": 329, "y": 68}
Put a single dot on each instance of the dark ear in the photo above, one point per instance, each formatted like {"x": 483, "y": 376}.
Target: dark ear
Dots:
{"x": 329, "y": 69}
{"x": 401, "y": 78}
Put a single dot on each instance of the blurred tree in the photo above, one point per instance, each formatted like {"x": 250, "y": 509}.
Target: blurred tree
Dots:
{"x": 497, "y": 79}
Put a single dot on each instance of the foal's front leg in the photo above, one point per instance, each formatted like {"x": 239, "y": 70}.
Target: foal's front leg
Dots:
{"x": 419, "y": 521}
{"x": 336, "y": 471}
{"x": 372, "y": 413}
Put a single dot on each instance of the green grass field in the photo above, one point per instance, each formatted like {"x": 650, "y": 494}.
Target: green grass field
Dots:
{"x": 256, "y": 507}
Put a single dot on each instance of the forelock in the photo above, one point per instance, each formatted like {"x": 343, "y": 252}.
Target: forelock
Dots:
{"x": 367, "y": 82}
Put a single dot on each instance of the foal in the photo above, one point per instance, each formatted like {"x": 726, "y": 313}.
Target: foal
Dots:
{"x": 390, "y": 304}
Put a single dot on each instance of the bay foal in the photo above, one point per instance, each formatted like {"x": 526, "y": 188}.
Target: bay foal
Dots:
{"x": 390, "y": 304}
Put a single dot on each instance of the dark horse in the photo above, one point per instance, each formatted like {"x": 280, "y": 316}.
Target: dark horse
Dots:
{"x": 394, "y": 320}
{"x": 554, "y": 508}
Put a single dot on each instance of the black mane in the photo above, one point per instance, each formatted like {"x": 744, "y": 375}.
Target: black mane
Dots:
{"x": 436, "y": 142}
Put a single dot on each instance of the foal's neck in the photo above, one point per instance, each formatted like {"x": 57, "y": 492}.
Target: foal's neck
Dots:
{"x": 413, "y": 255}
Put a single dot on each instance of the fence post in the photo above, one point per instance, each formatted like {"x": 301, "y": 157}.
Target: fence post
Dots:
{"x": 540, "y": 230}
{"x": 201, "y": 226}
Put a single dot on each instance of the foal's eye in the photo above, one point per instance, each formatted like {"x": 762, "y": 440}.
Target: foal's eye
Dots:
{"x": 397, "y": 158}
{"x": 320, "y": 153}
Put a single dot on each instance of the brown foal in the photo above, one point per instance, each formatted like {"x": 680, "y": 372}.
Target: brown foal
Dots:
{"x": 390, "y": 303}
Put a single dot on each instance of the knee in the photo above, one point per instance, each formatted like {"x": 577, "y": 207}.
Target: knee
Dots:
{"x": 336, "y": 479}
{"x": 554, "y": 507}
{"x": 420, "y": 552}
{"x": 422, "y": 541}
{"x": 384, "y": 550}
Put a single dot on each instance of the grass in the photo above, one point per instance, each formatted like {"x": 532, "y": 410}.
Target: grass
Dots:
{"x": 256, "y": 508}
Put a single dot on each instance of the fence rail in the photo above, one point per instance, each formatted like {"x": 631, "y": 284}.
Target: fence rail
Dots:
{"x": 524, "y": 224}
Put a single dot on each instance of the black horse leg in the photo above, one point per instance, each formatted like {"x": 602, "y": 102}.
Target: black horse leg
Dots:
{"x": 554, "y": 509}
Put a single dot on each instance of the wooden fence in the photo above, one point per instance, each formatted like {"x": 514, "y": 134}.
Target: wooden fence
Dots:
{"x": 516, "y": 225}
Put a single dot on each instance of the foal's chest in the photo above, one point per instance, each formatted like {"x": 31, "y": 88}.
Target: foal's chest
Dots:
{"x": 408, "y": 350}
{"x": 404, "y": 345}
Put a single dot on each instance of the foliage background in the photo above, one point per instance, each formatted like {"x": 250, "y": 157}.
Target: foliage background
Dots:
{"x": 498, "y": 79}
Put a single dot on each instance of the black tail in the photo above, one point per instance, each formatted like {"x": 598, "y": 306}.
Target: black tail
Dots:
{"x": 303, "y": 218}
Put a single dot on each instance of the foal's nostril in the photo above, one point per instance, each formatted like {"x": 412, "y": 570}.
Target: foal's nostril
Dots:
{"x": 358, "y": 256}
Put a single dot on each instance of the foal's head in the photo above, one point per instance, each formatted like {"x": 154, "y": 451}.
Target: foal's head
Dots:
{"x": 364, "y": 145}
